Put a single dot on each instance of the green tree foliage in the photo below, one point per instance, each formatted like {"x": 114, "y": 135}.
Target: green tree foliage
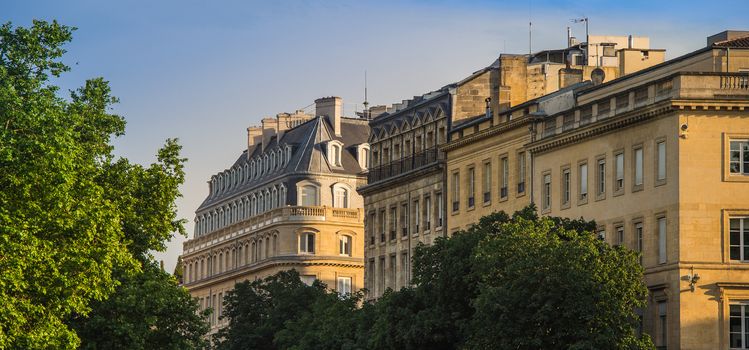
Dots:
{"x": 521, "y": 281}
{"x": 147, "y": 311}
{"x": 74, "y": 221}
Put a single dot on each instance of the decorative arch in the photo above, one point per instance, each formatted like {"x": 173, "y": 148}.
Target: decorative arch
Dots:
{"x": 341, "y": 193}
{"x": 334, "y": 152}
{"x": 308, "y": 193}
{"x": 345, "y": 239}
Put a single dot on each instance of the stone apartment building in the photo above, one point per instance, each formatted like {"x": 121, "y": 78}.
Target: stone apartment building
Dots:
{"x": 659, "y": 158}
{"x": 404, "y": 197}
{"x": 289, "y": 201}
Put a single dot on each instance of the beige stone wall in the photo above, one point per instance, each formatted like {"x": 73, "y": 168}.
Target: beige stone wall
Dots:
{"x": 474, "y": 155}
{"x": 214, "y": 263}
{"x": 470, "y": 97}
{"x": 402, "y": 195}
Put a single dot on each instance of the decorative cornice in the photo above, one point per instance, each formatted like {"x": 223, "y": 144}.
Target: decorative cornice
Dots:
{"x": 512, "y": 124}
{"x": 433, "y": 167}
{"x": 608, "y": 125}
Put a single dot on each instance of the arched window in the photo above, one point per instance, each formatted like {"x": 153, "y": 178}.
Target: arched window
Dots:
{"x": 260, "y": 203}
{"x": 267, "y": 200}
{"x": 274, "y": 195}
{"x": 267, "y": 248}
{"x": 335, "y": 148}
{"x": 227, "y": 262}
{"x": 266, "y": 164}
{"x": 307, "y": 243}
{"x": 253, "y": 205}
{"x": 345, "y": 242}
{"x": 260, "y": 250}
{"x": 259, "y": 167}
{"x": 240, "y": 259}
{"x": 254, "y": 252}
{"x": 240, "y": 210}
{"x": 309, "y": 196}
{"x": 220, "y": 262}
{"x": 273, "y": 161}
{"x": 281, "y": 160}
{"x": 252, "y": 169}
{"x": 275, "y": 244}
{"x": 340, "y": 197}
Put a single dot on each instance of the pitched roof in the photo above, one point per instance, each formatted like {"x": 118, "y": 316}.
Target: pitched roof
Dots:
{"x": 308, "y": 153}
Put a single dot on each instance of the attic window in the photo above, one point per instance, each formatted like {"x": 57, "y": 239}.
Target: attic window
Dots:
{"x": 335, "y": 149}
{"x": 362, "y": 155}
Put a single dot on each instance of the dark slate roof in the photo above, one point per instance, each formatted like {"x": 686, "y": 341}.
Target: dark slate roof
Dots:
{"x": 742, "y": 42}
{"x": 308, "y": 153}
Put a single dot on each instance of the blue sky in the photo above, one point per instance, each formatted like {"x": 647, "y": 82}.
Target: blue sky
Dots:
{"x": 203, "y": 71}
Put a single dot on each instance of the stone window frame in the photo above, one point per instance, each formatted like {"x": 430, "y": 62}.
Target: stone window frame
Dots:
{"x": 638, "y": 147}
{"x": 616, "y": 189}
{"x": 657, "y": 161}
{"x": 580, "y": 199}
{"x": 568, "y": 169}
{"x": 546, "y": 194}
{"x": 726, "y": 216}
{"x": 727, "y": 138}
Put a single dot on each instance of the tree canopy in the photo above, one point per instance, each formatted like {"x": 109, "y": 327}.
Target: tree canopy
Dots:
{"x": 75, "y": 221}
{"x": 521, "y": 281}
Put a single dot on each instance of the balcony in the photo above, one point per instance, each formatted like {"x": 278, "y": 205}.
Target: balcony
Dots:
{"x": 403, "y": 165}
{"x": 278, "y": 216}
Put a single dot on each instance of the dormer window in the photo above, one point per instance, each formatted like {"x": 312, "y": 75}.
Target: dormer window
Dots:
{"x": 335, "y": 148}
{"x": 362, "y": 155}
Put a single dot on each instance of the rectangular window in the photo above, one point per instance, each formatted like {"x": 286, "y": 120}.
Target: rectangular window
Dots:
{"x": 622, "y": 102}
{"x": 405, "y": 269}
{"x": 662, "y": 333}
{"x": 641, "y": 95}
{"x": 638, "y": 167}
{"x": 440, "y": 209}
{"x": 487, "y": 177}
{"x": 393, "y": 223}
{"x": 404, "y": 219}
{"x": 370, "y": 277}
{"x": 381, "y": 275}
{"x": 416, "y": 216}
{"x": 568, "y": 121}
{"x": 565, "y": 187}
{"x": 662, "y": 258}
{"x": 393, "y": 271}
{"x": 456, "y": 191}
{"x": 586, "y": 115}
{"x": 603, "y": 109}
{"x": 638, "y": 234}
{"x": 505, "y": 177}
{"x": 345, "y": 245}
{"x": 471, "y": 187}
{"x": 602, "y": 234}
{"x": 427, "y": 213}
{"x": 521, "y": 172}
{"x": 739, "y": 237}
{"x": 547, "y": 192}
{"x": 371, "y": 226}
{"x": 620, "y": 235}
{"x": 344, "y": 285}
{"x": 739, "y": 157}
{"x": 619, "y": 184}
{"x": 601, "y": 177}
{"x": 550, "y": 126}
{"x": 583, "y": 176}
{"x": 661, "y": 159}
{"x": 382, "y": 225}
{"x": 307, "y": 243}
{"x": 738, "y": 328}
{"x": 309, "y": 279}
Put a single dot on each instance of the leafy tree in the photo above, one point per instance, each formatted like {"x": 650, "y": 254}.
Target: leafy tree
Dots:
{"x": 74, "y": 221}
{"x": 551, "y": 284}
{"x": 178, "y": 270}
{"x": 259, "y": 309}
{"x": 147, "y": 311}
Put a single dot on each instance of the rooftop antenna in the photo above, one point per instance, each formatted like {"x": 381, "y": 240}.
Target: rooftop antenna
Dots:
{"x": 530, "y": 30}
{"x": 366, "y": 103}
{"x": 587, "y": 37}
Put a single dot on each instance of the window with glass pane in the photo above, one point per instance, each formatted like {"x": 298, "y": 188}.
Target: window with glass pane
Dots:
{"x": 505, "y": 177}
{"x": 487, "y": 175}
{"x": 638, "y": 233}
{"x": 521, "y": 172}
{"x": 416, "y": 215}
{"x": 739, "y": 326}
{"x": 344, "y": 285}
{"x": 739, "y": 236}
{"x": 341, "y": 198}
{"x": 440, "y": 210}
{"x": 739, "y": 157}
{"x": 662, "y": 258}
{"x": 601, "y": 176}
{"x": 620, "y": 235}
{"x": 309, "y": 196}
{"x": 307, "y": 243}
{"x": 456, "y": 191}
{"x": 471, "y": 187}
{"x": 345, "y": 245}
{"x": 638, "y": 167}
{"x": 662, "y": 339}
{"x": 427, "y": 213}
{"x": 661, "y": 146}
{"x": 619, "y": 171}
{"x": 583, "y": 181}
{"x": 565, "y": 186}
{"x": 547, "y": 191}
{"x": 404, "y": 219}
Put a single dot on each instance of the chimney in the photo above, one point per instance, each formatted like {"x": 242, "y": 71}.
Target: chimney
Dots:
{"x": 332, "y": 108}
{"x": 253, "y": 136}
{"x": 270, "y": 128}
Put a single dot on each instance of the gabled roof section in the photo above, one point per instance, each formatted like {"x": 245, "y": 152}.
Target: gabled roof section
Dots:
{"x": 742, "y": 42}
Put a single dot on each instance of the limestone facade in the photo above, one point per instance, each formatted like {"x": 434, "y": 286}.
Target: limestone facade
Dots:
{"x": 656, "y": 158}
{"x": 288, "y": 202}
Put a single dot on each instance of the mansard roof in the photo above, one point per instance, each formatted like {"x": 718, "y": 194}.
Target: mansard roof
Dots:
{"x": 308, "y": 141}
